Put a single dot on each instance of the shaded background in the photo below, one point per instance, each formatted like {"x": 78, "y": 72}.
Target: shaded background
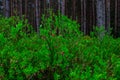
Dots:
{"x": 88, "y": 13}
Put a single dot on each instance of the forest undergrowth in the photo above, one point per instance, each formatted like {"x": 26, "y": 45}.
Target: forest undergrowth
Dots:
{"x": 59, "y": 52}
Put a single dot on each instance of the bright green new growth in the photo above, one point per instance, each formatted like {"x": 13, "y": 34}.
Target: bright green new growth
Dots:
{"x": 61, "y": 52}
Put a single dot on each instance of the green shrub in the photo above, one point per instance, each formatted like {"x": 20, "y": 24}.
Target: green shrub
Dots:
{"x": 60, "y": 25}
{"x": 61, "y": 52}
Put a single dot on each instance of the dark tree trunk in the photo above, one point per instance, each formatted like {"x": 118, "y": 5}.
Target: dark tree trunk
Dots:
{"x": 116, "y": 15}
{"x": 108, "y": 15}
{"x": 83, "y": 16}
{"x": 20, "y": 7}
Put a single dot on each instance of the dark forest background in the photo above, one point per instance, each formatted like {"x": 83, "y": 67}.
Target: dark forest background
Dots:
{"x": 88, "y": 13}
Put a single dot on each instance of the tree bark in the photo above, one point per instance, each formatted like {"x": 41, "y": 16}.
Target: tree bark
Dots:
{"x": 63, "y": 7}
{"x": 83, "y": 16}
{"x": 7, "y": 8}
{"x": 108, "y": 15}
{"x": 116, "y": 15}
{"x": 100, "y": 8}
{"x": 20, "y": 8}
{"x": 37, "y": 16}
{"x": 74, "y": 10}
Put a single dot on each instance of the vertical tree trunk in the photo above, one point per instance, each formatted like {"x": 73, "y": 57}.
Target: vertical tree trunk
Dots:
{"x": 44, "y": 6}
{"x": 20, "y": 7}
{"x": 118, "y": 18}
{"x": 74, "y": 10}
{"x": 59, "y": 5}
{"x": 94, "y": 11}
{"x": 40, "y": 11}
{"x": 37, "y": 16}
{"x": 1, "y": 7}
{"x": 90, "y": 15}
{"x": 100, "y": 8}
{"x": 48, "y": 3}
{"x": 108, "y": 15}
{"x": 16, "y": 8}
{"x": 7, "y": 8}
{"x": 83, "y": 16}
{"x": 26, "y": 2}
{"x": 78, "y": 11}
{"x": 11, "y": 7}
{"x": 116, "y": 15}
{"x": 48, "y": 6}
{"x": 63, "y": 7}
{"x": 103, "y": 13}
{"x": 66, "y": 7}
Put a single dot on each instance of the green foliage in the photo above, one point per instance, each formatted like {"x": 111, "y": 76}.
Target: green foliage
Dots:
{"x": 59, "y": 25}
{"x": 61, "y": 52}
